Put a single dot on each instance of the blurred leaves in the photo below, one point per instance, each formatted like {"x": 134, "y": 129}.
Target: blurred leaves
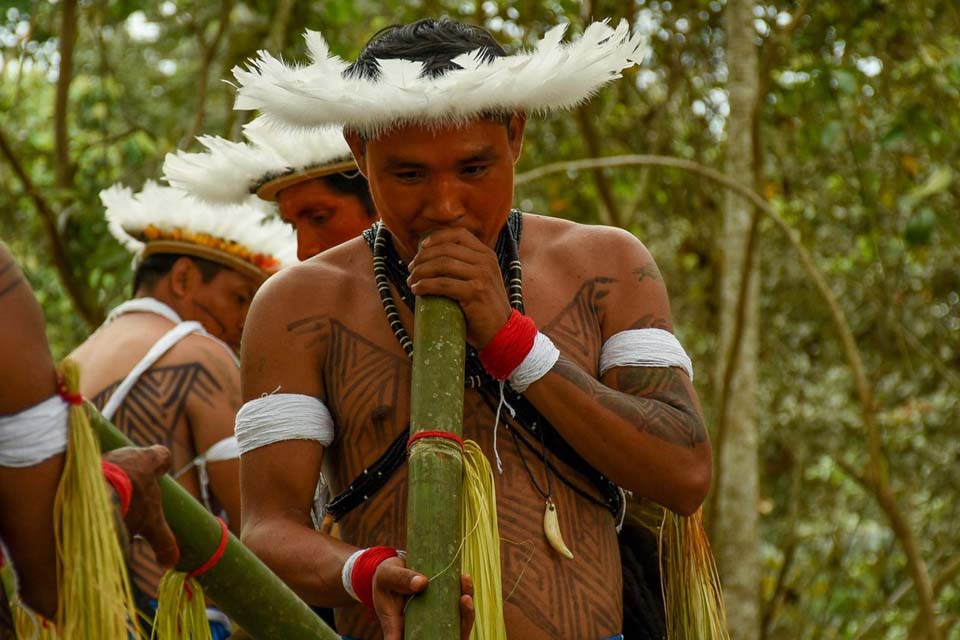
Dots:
{"x": 859, "y": 143}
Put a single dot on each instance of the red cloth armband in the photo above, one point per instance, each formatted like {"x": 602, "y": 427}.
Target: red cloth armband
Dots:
{"x": 510, "y": 346}
{"x": 363, "y": 569}
{"x": 120, "y": 482}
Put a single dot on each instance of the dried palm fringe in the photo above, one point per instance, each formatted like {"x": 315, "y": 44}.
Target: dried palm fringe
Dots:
{"x": 95, "y": 596}
{"x": 691, "y": 585}
{"x": 181, "y": 609}
{"x": 481, "y": 548}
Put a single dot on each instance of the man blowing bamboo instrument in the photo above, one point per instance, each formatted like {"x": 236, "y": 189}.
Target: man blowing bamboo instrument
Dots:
{"x": 162, "y": 367}
{"x": 598, "y": 399}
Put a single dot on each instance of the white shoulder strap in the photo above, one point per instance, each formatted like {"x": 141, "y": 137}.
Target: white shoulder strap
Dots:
{"x": 164, "y": 344}
{"x": 144, "y": 305}
{"x": 226, "y": 449}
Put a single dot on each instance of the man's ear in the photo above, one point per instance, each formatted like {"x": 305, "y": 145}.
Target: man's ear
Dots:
{"x": 515, "y": 129}
{"x": 359, "y": 149}
{"x": 184, "y": 277}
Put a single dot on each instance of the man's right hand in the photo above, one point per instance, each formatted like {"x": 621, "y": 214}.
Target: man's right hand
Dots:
{"x": 145, "y": 466}
{"x": 393, "y": 583}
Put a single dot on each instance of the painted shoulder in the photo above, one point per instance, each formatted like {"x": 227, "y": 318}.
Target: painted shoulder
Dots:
{"x": 594, "y": 246}
{"x": 316, "y": 285}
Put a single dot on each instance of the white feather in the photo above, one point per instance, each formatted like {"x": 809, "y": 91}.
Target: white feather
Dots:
{"x": 227, "y": 172}
{"x": 168, "y": 209}
{"x": 552, "y": 76}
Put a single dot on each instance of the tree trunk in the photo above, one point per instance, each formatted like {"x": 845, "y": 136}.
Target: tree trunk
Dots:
{"x": 735, "y": 518}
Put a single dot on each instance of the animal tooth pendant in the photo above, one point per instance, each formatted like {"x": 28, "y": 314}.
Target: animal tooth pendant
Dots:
{"x": 551, "y": 527}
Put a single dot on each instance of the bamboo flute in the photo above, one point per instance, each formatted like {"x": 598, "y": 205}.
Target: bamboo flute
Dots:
{"x": 240, "y": 584}
{"x": 435, "y": 469}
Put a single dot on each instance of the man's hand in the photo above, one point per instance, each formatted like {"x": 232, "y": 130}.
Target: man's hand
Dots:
{"x": 393, "y": 583}
{"x": 145, "y": 466}
{"x": 456, "y": 264}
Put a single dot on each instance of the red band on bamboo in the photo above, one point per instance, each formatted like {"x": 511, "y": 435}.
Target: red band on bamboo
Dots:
{"x": 72, "y": 399}
{"x": 120, "y": 482}
{"x": 215, "y": 558}
{"x": 510, "y": 346}
{"x": 363, "y": 569}
{"x": 446, "y": 435}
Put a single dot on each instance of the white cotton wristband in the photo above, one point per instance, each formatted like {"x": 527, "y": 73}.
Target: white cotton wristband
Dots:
{"x": 537, "y": 364}
{"x": 346, "y": 574}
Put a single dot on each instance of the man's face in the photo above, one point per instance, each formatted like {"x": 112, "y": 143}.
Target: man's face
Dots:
{"x": 424, "y": 178}
{"x": 322, "y": 217}
{"x": 221, "y": 304}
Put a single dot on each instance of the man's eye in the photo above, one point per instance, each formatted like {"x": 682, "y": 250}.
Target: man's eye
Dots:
{"x": 407, "y": 176}
{"x": 475, "y": 170}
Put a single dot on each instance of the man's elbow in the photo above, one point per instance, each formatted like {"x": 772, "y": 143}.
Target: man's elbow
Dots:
{"x": 693, "y": 489}
{"x": 255, "y": 536}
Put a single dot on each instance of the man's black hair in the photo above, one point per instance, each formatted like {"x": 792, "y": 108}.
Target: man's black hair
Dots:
{"x": 434, "y": 42}
{"x": 352, "y": 184}
{"x": 156, "y": 266}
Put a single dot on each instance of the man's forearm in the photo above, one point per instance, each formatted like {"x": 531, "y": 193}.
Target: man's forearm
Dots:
{"x": 648, "y": 438}
{"x": 309, "y": 562}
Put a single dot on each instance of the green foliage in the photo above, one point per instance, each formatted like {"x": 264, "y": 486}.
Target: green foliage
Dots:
{"x": 859, "y": 140}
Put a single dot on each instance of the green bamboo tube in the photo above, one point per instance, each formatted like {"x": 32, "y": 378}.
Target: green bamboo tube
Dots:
{"x": 435, "y": 469}
{"x": 240, "y": 584}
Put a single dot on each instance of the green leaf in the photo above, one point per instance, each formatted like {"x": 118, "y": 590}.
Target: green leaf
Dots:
{"x": 938, "y": 181}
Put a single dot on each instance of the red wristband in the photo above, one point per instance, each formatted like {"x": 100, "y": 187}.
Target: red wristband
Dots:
{"x": 510, "y": 346}
{"x": 361, "y": 578}
{"x": 120, "y": 482}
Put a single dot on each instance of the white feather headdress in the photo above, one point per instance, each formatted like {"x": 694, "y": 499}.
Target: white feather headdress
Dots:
{"x": 272, "y": 159}
{"x": 554, "y": 75}
{"x": 167, "y": 220}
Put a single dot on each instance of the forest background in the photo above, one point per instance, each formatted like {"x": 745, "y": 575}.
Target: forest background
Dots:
{"x": 792, "y": 165}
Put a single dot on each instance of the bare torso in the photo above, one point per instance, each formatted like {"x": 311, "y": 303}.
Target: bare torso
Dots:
{"x": 195, "y": 374}
{"x": 366, "y": 379}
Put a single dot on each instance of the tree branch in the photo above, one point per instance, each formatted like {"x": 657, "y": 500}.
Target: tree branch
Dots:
{"x": 68, "y": 38}
{"x": 92, "y": 316}
{"x": 209, "y": 53}
{"x": 614, "y": 217}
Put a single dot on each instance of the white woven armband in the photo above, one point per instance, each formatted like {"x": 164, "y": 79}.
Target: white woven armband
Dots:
{"x": 282, "y": 416}
{"x": 644, "y": 348}
{"x": 537, "y": 364}
{"x": 35, "y": 434}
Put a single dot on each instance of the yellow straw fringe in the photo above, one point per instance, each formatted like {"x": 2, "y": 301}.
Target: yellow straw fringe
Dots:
{"x": 30, "y": 625}
{"x": 95, "y": 596}
{"x": 691, "y": 585}
{"x": 180, "y": 615}
{"x": 481, "y": 549}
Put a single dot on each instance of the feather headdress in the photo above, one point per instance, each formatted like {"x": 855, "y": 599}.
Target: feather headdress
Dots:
{"x": 167, "y": 220}
{"x": 554, "y": 75}
{"x": 272, "y": 159}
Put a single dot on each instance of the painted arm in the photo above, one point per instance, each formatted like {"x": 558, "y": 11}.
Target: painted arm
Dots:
{"x": 277, "y": 481}
{"x": 641, "y": 427}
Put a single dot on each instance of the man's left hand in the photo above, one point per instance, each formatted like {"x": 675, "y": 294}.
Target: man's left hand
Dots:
{"x": 456, "y": 264}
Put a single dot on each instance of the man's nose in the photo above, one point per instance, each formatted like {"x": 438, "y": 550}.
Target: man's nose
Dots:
{"x": 446, "y": 201}
{"x": 307, "y": 244}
